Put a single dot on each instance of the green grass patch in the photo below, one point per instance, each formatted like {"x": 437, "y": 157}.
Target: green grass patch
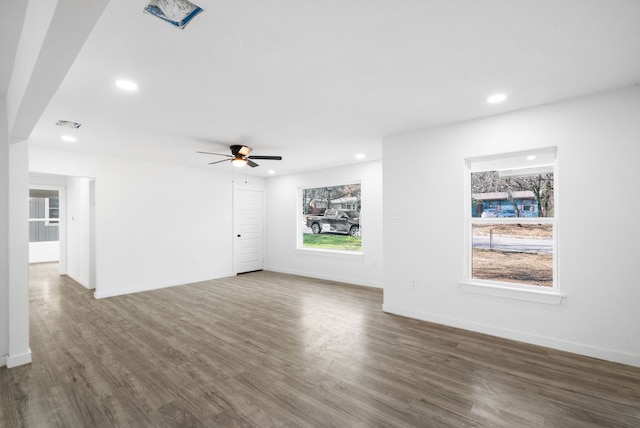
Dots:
{"x": 332, "y": 242}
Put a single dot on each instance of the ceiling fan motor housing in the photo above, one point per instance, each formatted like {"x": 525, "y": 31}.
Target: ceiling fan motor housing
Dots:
{"x": 240, "y": 150}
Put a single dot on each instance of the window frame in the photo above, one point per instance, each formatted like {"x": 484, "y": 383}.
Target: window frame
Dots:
{"x": 49, "y": 220}
{"x": 519, "y": 291}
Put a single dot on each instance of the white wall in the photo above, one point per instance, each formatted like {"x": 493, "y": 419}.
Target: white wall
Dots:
{"x": 14, "y": 237}
{"x": 43, "y": 252}
{"x": 4, "y": 233}
{"x": 156, "y": 225}
{"x": 19, "y": 351}
{"x": 283, "y": 213}
{"x": 78, "y": 228}
{"x": 598, "y": 140}
{"x": 46, "y": 180}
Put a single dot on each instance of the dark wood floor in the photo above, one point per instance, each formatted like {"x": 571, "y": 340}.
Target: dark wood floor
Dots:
{"x": 273, "y": 350}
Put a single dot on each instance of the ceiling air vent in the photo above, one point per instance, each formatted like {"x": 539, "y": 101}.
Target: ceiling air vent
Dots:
{"x": 175, "y": 12}
{"x": 68, "y": 124}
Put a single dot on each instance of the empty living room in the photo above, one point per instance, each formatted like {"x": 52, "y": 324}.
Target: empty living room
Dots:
{"x": 319, "y": 214}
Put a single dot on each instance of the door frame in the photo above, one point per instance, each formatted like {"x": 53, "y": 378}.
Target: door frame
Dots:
{"x": 62, "y": 192}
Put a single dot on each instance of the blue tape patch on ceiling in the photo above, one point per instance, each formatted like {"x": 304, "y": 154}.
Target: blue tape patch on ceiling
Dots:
{"x": 176, "y": 12}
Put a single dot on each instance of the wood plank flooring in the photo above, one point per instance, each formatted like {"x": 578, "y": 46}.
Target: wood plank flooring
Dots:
{"x": 273, "y": 350}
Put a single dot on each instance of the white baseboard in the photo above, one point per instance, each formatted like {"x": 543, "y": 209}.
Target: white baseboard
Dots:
{"x": 562, "y": 345}
{"x": 18, "y": 360}
{"x": 78, "y": 280}
{"x": 335, "y": 278}
{"x": 100, "y": 294}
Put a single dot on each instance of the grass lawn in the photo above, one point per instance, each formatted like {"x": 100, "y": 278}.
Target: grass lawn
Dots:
{"x": 329, "y": 241}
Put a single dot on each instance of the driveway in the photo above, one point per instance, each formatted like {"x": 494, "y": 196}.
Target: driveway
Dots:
{"x": 509, "y": 243}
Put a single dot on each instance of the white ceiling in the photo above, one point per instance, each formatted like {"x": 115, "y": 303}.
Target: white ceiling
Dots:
{"x": 11, "y": 16}
{"x": 319, "y": 81}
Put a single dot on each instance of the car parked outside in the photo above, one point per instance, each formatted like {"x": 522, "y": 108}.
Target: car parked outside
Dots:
{"x": 489, "y": 212}
{"x": 507, "y": 212}
{"x": 337, "y": 221}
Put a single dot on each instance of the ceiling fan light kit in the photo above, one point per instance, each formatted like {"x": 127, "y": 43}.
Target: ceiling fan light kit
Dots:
{"x": 239, "y": 162}
{"x": 240, "y": 156}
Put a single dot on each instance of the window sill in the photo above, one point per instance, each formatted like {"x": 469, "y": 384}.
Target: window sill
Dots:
{"x": 329, "y": 253}
{"x": 549, "y": 297}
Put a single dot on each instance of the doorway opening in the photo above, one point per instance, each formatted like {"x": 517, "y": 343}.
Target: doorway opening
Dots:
{"x": 44, "y": 225}
{"x": 62, "y": 225}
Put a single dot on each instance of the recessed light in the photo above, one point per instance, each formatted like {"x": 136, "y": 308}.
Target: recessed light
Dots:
{"x": 360, "y": 156}
{"x": 496, "y": 98}
{"x": 531, "y": 157}
{"x": 127, "y": 85}
{"x": 271, "y": 171}
{"x": 68, "y": 138}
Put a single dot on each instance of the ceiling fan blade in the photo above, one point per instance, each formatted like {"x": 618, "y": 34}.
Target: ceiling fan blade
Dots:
{"x": 251, "y": 163}
{"x": 266, "y": 157}
{"x": 217, "y": 154}
{"x": 220, "y": 161}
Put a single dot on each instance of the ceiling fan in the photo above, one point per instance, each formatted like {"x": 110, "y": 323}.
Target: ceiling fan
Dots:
{"x": 240, "y": 156}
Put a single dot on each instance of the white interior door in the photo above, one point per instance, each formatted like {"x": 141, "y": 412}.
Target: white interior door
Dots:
{"x": 248, "y": 207}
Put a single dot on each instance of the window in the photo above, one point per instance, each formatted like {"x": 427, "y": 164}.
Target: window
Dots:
{"x": 44, "y": 215}
{"x": 330, "y": 218}
{"x": 52, "y": 211}
{"x": 511, "y": 223}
